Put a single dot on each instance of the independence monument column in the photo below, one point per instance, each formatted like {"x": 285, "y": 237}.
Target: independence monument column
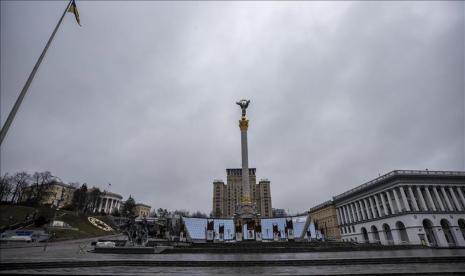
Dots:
{"x": 243, "y": 125}
{"x": 246, "y": 216}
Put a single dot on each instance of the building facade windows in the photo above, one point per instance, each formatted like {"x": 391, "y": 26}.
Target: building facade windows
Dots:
{"x": 405, "y": 207}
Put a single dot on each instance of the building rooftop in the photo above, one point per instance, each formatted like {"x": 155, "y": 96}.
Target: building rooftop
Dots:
{"x": 62, "y": 185}
{"x": 397, "y": 173}
{"x": 143, "y": 205}
{"x": 321, "y": 205}
{"x": 112, "y": 194}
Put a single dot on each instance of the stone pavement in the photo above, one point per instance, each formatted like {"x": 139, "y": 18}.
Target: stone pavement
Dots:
{"x": 77, "y": 251}
{"x": 408, "y": 269}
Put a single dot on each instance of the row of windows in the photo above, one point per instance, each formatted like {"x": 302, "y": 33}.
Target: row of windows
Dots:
{"x": 348, "y": 229}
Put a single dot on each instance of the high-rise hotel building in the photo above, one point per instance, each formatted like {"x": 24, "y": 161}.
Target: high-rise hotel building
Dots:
{"x": 226, "y": 197}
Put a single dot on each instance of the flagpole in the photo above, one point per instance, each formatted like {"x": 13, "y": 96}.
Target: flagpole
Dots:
{"x": 15, "y": 108}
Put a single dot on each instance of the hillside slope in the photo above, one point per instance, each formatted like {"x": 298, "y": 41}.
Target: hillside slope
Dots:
{"x": 82, "y": 228}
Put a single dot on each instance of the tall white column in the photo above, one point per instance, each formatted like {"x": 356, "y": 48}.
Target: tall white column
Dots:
{"x": 357, "y": 213}
{"x": 373, "y": 207}
{"x": 454, "y": 197}
{"x": 438, "y": 198}
{"x": 352, "y": 212}
{"x": 462, "y": 197}
{"x": 449, "y": 205}
{"x": 399, "y": 207}
{"x": 360, "y": 205}
{"x": 243, "y": 125}
{"x": 430, "y": 198}
{"x": 377, "y": 206}
{"x": 424, "y": 207}
{"x": 412, "y": 197}
{"x": 384, "y": 204}
{"x": 349, "y": 214}
{"x": 100, "y": 205}
{"x": 346, "y": 213}
{"x": 357, "y": 209}
{"x": 404, "y": 198}
{"x": 109, "y": 205}
{"x": 367, "y": 208}
{"x": 106, "y": 205}
{"x": 389, "y": 203}
{"x": 352, "y": 218}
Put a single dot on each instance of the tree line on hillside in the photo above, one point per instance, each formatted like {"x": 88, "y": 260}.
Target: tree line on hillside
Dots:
{"x": 35, "y": 189}
{"x": 13, "y": 187}
{"x": 31, "y": 190}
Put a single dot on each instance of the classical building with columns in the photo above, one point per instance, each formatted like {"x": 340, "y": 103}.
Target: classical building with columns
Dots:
{"x": 109, "y": 202}
{"x": 405, "y": 207}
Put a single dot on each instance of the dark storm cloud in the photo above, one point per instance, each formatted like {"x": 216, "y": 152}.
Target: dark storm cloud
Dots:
{"x": 142, "y": 96}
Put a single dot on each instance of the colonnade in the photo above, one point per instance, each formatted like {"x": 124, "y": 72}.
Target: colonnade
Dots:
{"x": 402, "y": 198}
{"x": 108, "y": 204}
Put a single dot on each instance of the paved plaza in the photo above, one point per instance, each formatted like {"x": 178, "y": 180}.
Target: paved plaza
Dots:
{"x": 126, "y": 264}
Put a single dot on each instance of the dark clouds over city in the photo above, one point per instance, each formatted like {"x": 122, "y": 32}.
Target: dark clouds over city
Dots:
{"x": 142, "y": 96}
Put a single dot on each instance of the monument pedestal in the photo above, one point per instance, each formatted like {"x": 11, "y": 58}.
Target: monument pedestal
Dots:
{"x": 247, "y": 215}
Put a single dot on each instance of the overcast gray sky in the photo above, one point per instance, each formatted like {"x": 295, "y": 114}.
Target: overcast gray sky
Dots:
{"x": 142, "y": 96}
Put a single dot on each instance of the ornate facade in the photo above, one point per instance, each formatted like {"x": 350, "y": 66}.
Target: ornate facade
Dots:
{"x": 142, "y": 210}
{"x": 405, "y": 207}
{"x": 325, "y": 219}
{"x": 55, "y": 194}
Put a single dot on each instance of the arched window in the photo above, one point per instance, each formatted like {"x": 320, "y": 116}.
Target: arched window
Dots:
{"x": 428, "y": 226}
{"x": 402, "y": 231}
{"x": 447, "y": 232}
{"x": 388, "y": 233}
{"x": 374, "y": 230}
{"x": 365, "y": 235}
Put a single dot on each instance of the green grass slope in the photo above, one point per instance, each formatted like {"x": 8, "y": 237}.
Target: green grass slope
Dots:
{"x": 11, "y": 214}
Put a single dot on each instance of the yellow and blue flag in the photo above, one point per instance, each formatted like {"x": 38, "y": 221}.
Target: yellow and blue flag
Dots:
{"x": 73, "y": 9}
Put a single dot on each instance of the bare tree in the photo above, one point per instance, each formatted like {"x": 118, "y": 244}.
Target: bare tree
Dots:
{"x": 184, "y": 213}
{"x": 40, "y": 187}
{"x": 199, "y": 214}
{"x": 80, "y": 196}
{"x": 92, "y": 199}
{"x": 75, "y": 184}
{"x": 6, "y": 187}
{"x": 20, "y": 181}
{"x": 162, "y": 213}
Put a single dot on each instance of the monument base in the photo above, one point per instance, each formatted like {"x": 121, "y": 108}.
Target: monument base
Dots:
{"x": 247, "y": 215}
